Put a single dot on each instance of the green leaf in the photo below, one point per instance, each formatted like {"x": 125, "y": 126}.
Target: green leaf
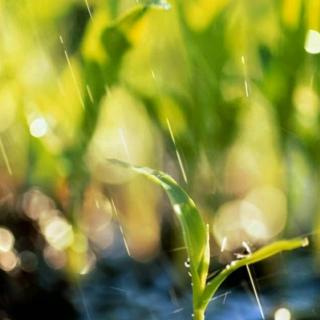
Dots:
{"x": 195, "y": 232}
{"x": 261, "y": 254}
{"x": 196, "y": 238}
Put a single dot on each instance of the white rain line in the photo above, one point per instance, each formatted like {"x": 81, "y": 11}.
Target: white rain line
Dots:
{"x": 5, "y": 157}
{"x": 124, "y": 143}
{"x": 89, "y": 10}
{"x": 177, "y": 310}
{"x": 181, "y": 167}
{"x": 120, "y": 227}
{"x": 153, "y": 75}
{"x": 178, "y": 249}
{"x": 224, "y": 244}
{"x": 90, "y": 93}
{"x": 255, "y": 292}
{"x": 224, "y": 295}
{"x": 177, "y": 153}
{"x": 246, "y": 246}
{"x": 170, "y": 131}
{"x": 119, "y": 289}
{"x": 72, "y": 74}
{"x": 246, "y": 86}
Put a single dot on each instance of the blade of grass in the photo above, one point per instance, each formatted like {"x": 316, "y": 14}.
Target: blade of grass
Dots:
{"x": 195, "y": 232}
{"x": 259, "y": 255}
{"x": 196, "y": 238}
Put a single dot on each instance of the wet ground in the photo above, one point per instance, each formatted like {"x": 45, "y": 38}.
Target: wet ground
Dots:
{"x": 121, "y": 289}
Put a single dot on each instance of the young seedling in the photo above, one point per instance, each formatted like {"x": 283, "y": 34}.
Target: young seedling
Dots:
{"x": 196, "y": 239}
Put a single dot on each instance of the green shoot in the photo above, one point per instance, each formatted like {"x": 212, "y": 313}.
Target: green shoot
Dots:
{"x": 196, "y": 239}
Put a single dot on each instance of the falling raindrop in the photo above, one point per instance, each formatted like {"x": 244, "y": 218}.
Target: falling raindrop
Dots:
{"x": 233, "y": 263}
{"x": 246, "y": 85}
{"x": 5, "y": 157}
{"x": 74, "y": 78}
{"x": 246, "y": 246}
{"x": 88, "y": 8}
{"x": 183, "y": 171}
{"x": 224, "y": 243}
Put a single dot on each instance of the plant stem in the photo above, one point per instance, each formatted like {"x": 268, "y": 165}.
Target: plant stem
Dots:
{"x": 198, "y": 314}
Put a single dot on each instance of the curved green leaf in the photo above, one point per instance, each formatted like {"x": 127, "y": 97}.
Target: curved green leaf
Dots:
{"x": 195, "y": 233}
{"x": 261, "y": 254}
{"x": 196, "y": 238}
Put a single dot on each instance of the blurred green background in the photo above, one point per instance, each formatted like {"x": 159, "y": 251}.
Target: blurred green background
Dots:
{"x": 223, "y": 95}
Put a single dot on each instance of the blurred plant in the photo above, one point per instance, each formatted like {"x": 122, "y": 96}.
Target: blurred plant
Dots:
{"x": 60, "y": 114}
{"x": 201, "y": 73}
{"x": 196, "y": 240}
